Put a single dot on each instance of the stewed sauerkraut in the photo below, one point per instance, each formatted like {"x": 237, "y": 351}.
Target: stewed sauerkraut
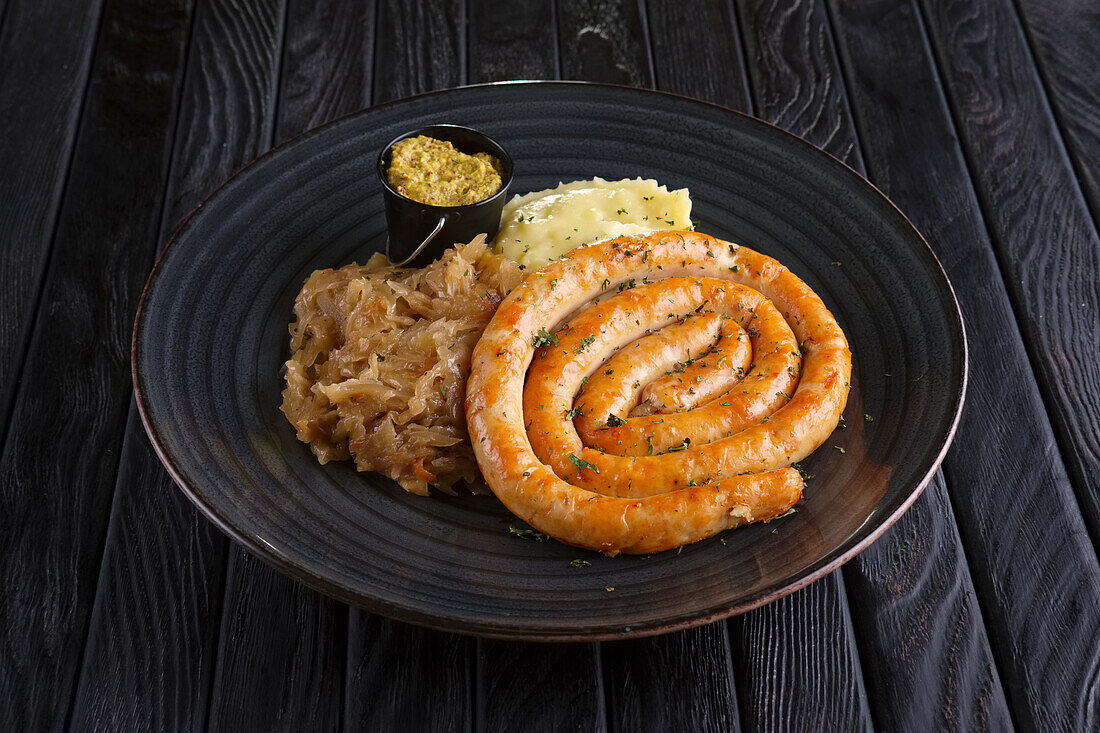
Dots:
{"x": 381, "y": 356}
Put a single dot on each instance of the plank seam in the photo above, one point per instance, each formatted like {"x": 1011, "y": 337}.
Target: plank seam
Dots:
{"x": 277, "y": 74}
{"x": 1037, "y": 373}
{"x": 844, "y": 66}
{"x": 998, "y": 654}
{"x": 643, "y": 18}
{"x": 556, "y": 45}
{"x": 477, "y": 684}
{"x": 463, "y": 43}
{"x": 739, "y": 32}
{"x": 603, "y": 680}
{"x": 97, "y": 596}
{"x": 859, "y": 164}
{"x": 733, "y": 627}
{"x": 1055, "y": 111}
{"x": 4, "y": 10}
{"x": 129, "y": 425}
{"x": 557, "y": 39}
{"x": 56, "y": 209}
{"x": 229, "y": 571}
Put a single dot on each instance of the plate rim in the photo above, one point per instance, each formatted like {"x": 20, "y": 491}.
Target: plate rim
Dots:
{"x": 466, "y": 626}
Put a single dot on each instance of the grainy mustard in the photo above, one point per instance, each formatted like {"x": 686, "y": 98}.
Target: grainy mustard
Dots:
{"x": 433, "y": 172}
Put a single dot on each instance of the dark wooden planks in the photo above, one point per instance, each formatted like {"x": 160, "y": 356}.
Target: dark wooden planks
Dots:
{"x": 708, "y": 66}
{"x": 1039, "y": 589}
{"x": 604, "y": 40}
{"x": 152, "y": 638}
{"x": 282, "y": 655}
{"x": 283, "y": 650}
{"x": 1045, "y": 238}
{"x": 539, "y": 687}
{"x": 512, "y": 40}
{"x": 794, "y": 72}
{"x": 797, "y": 663}
{"x": 798, "y": 84}
{"x": 328, "y": 61}
{"x": 677, "y": 682}
{"x": 225, "y": 118}
{"x": 401, "y": 677}
{"x": 57, "y": 470}
{"x": 1063, "y": 39}
{"x": 420, "y": 46}
{"x": 926, "y": 659}
{"x": 45, "y": 55}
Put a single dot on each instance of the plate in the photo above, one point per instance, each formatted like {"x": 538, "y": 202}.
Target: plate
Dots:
{"x": 211, "y": 338}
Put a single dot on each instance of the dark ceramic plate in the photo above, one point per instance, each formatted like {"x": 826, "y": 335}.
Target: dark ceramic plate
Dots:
{"x": 211, "y": 338}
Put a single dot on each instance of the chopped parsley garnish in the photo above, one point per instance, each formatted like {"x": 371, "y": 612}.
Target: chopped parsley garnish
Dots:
{"x": 683, "y": 446}
{"x": 544, "y": 338}
{"x": 581, "y": 463}
{"x": 575, "y": 412}
{"x": 614, "y": 421}
{"x": 579, "y": 563}
{"x": 585, "y": 343}
{"x": 526, "y": 533}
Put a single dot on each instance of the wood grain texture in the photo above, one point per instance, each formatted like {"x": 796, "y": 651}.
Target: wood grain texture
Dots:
{"x": 926, "y": 657}
{"x": 402, "y": 677}
{"x": 1045, "y": 239}
{"x": 539, "y": 687}
{"x": 795, "y": 74}
{"x": 283, "y": 649}
{"x": 228, "y": 100}
{"x": 513, "y": 40}
{"x": 797, "y": 666}
{"x": 1039, "y": 589}
{"x": 799, "y": 86}
{"x": 677, "y": 682}
{"x": 1063, "y": 37}
{"x": 328, "y": 59}
{"x": 708, "y": 66}
{"x": 421, "y": 45}
{"x": 282, "y": 656}
{"x": 604, "y": 40}
{"x": 57, "y": 470}
{"x": 153, "y": 633}
{"x": 45, "y": 56}
{"x": 225, "y": 118}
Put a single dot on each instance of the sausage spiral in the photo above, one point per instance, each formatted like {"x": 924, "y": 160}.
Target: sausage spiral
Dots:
{"x": 579, "y": 430}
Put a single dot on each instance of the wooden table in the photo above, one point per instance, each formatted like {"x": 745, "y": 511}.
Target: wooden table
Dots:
{"x": 124, "y": 609}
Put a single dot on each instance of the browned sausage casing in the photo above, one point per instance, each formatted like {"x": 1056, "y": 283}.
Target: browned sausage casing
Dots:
{"x": 556, "y": 426}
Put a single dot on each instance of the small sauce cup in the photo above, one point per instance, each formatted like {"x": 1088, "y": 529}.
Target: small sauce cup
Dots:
{"x": 419, "y": 233}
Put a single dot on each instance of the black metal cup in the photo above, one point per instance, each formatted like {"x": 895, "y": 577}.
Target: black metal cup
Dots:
{"x": 419, "y": 233}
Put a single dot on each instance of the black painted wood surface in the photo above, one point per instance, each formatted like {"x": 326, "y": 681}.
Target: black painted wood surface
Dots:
{"x": 125, "y": 610}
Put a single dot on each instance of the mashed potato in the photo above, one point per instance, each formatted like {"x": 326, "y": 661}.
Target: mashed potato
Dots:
{"x": 542, "y": 226}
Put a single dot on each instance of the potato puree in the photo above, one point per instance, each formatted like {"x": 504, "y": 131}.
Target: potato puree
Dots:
{"x": 433, "y": 172}
{"x": 542, "y": 226}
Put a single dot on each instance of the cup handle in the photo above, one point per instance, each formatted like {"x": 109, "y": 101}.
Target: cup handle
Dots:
{"x": 420, "y": 248}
